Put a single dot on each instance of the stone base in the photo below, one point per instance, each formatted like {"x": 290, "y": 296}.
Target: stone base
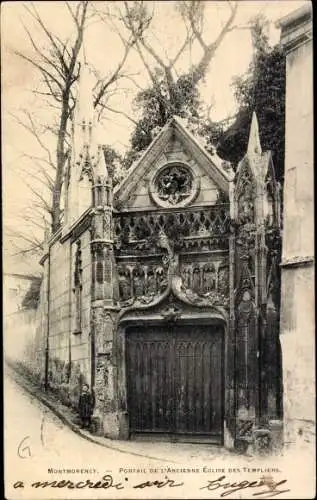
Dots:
{"x": 276, "y": 428}
{"x": 97, "y": 426}
{"x": 124, "y": 430}
{"x": 111, "y": 427}
{"x": 262, "y": 441}
{"x": 228, "y": 439}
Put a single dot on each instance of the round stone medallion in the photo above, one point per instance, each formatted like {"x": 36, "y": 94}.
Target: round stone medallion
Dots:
{"x": 174, "y": 185}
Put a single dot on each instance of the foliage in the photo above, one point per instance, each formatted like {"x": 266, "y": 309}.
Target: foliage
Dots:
{"x": 113, "y": 161}
{"x": 261, "y": 89}
{"x": 32, "y": 296}
{"x": 170, "y": 93}
{"x": 181, "y": 98}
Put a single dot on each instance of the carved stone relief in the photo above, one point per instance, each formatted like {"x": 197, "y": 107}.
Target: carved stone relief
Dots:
{"x": 138, "y": 282}
{"x": 125, "y": 285}
{"x": 223, "y": 280}
{"x": 108, "y": 331}
{"x": 208, "y": 278}
{"x": 206, "y": 281}
{"x": 97, "y": 327}
{"x": 96, "y": 227}
{"x": 199, "y": 229}
{"x": 107, "y": 226}
{"x": 245, "y": 307}
{"x": 174, "y": 184}
{"x": 246, "y": 196}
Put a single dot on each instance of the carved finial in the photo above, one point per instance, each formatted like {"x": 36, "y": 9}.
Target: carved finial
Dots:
{"x": 254, "y": 144}
{"x": 100, "y": 167}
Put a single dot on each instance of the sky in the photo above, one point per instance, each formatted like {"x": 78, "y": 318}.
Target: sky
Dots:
{"x": 103, "y": 50}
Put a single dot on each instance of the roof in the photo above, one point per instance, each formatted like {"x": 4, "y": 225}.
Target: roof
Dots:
{"x": 212, "y": 162}
{"x": 27, "y": 277}
{"x": 302, "y": 12}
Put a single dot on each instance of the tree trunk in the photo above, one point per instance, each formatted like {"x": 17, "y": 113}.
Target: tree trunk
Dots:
{"x": 60, "y": 158}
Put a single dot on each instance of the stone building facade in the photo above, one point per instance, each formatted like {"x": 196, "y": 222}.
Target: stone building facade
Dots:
{"x": 163, "y": 292}
{"x": 297, "y": 293}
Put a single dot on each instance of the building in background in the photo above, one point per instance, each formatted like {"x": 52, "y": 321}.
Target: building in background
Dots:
{"x": 297, "y": 266}
{"x": 21, "y": 284}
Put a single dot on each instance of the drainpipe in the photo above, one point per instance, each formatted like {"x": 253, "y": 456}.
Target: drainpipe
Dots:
{"x": 48, "y": 321}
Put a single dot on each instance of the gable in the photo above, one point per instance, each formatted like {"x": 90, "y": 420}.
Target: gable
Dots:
{"x": 174, "y": 171}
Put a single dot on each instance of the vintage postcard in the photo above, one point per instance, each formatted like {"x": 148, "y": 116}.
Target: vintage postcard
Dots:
{"x": 159, "y": 331}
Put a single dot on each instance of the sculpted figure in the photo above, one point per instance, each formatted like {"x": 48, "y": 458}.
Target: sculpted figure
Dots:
{"x": 223, "y": 281}
{"x": 246, "y": 205}
{"x": 186, "y": 277}
{"x": 196, "y": 280}
{"x": 246, "y": 306}
{"x": 124, "y": 284}
{"x": 161, "y": 279}
{"x": 151, "y": 283}
{"x": 208, "y": 278}
{"x": 138, "y": 282}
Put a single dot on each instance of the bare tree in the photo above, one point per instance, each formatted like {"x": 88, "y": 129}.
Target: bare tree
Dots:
{"x": 137, "y": 19}
{"x": 57, "y": 61}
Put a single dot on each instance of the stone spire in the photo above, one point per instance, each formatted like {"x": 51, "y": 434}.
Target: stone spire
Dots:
{"x": 84, "y": 110}
{"x": 88, "y": 163}
{"x": 100, "y": 167}
{"x": 80, "y": 175}
{"x": 87, "y": 82}
{"x": 254, "y": 144}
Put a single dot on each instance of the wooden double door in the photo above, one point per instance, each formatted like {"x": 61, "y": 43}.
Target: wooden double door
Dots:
{"x": 175, "y": 380}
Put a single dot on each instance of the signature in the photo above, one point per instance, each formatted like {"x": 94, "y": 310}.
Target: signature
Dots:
{"x": 271, "y": 488}
{"x": 24, "y": 449}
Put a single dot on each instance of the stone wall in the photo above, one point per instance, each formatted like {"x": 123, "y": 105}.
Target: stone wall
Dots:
{"x": 38, "y": 365}
{"x": 298, "y": 237}
{"x": 69, "y": 352}
{"x": 59, "y": 307}
{"x": 80, "y": 341}
{"x": 297, "y": 293}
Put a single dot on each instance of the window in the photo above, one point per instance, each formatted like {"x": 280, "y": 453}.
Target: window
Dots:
{"x": 78, "y": 289}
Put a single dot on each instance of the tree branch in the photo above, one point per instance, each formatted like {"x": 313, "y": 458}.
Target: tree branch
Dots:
{"x": 118, "y": 112}
{"x": 113, "y": 77}
{"x": 32, "y": 129}
{"x": 209, "y": 50}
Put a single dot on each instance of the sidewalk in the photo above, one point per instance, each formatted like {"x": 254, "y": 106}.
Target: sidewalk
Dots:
{"x": 172, "y": 453}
